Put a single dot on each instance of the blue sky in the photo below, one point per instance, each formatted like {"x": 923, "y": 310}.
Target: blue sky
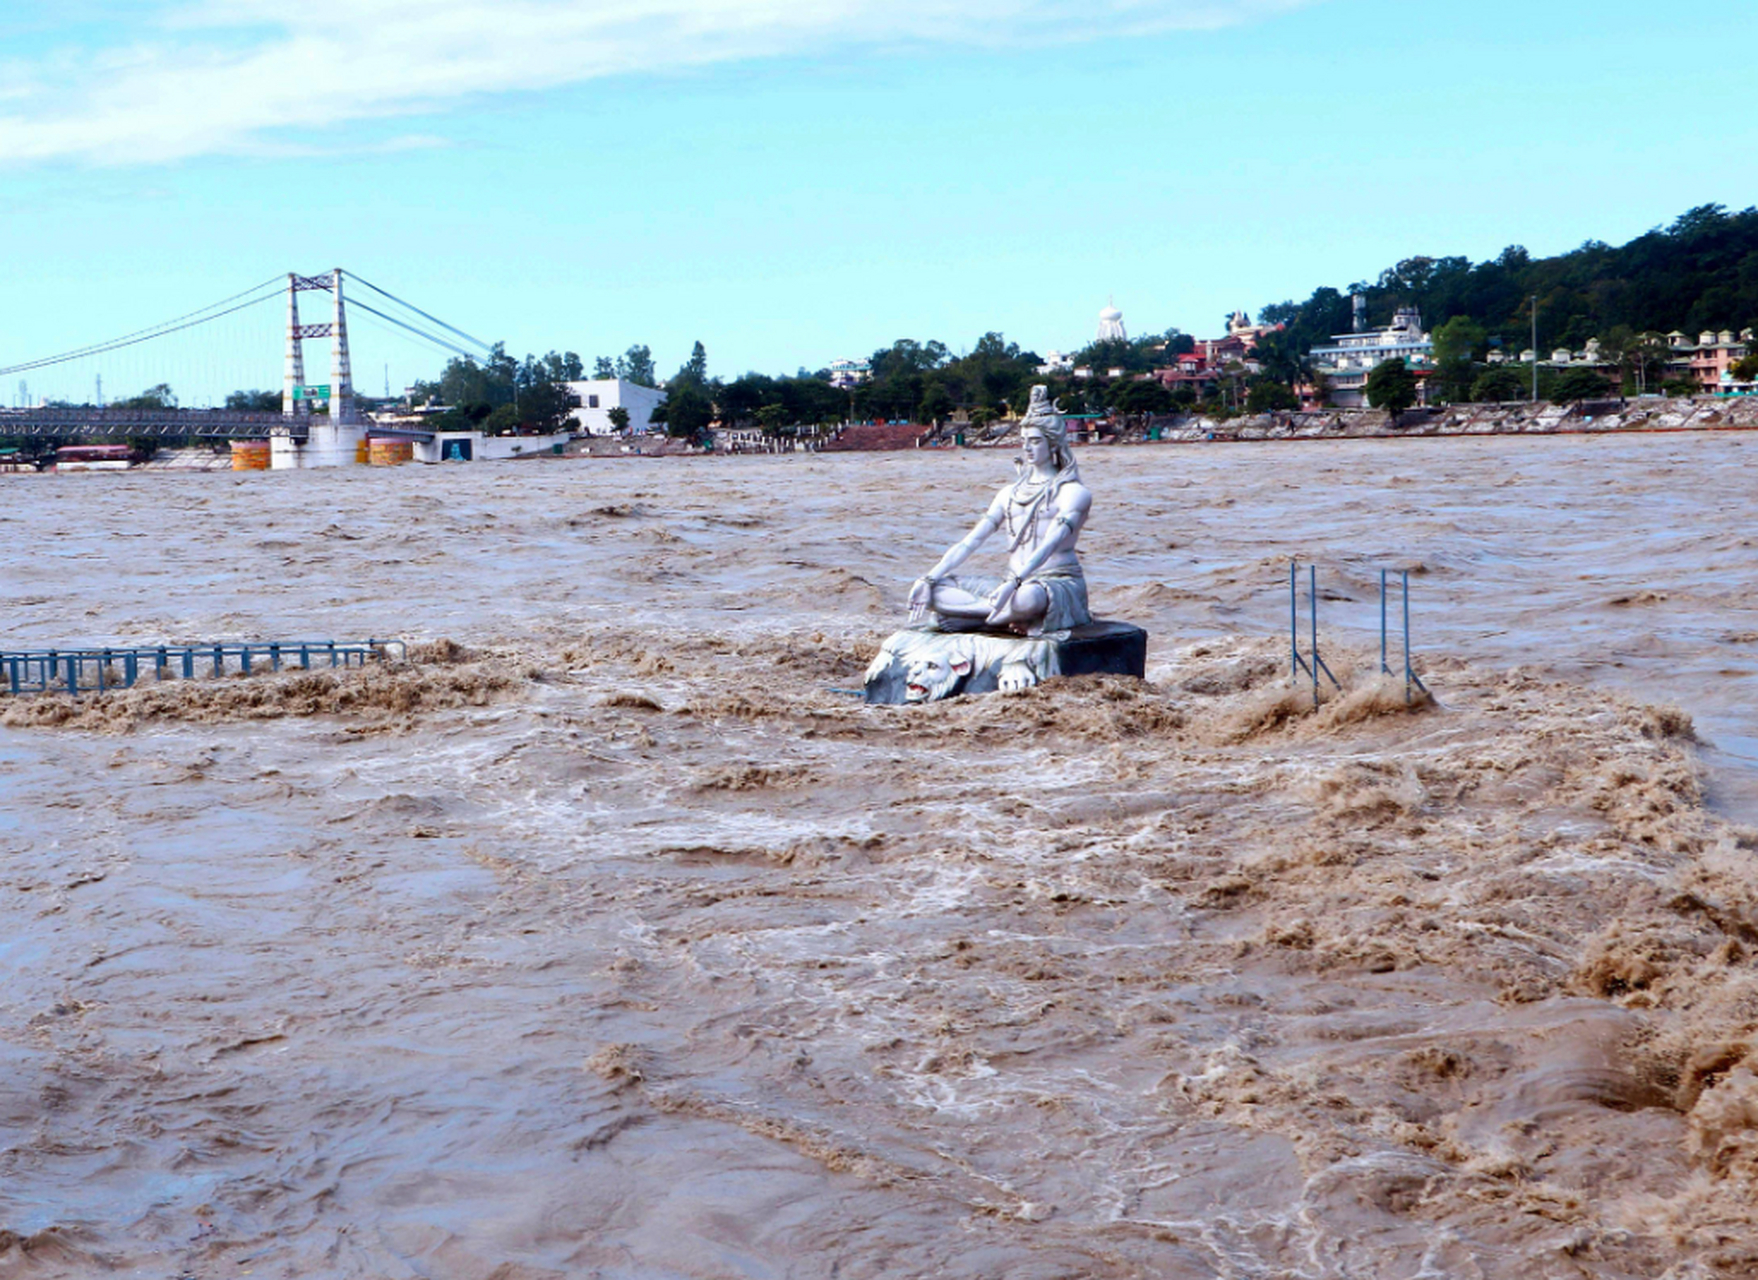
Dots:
{"x": 792, "y": 183}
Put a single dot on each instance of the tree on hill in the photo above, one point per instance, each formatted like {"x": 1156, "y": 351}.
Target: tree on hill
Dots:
{"x": 1574, "y": 385}
{"x": 1391, "y": 386}
{"x": 1500, "y": 383}
{"x": 1142, "y": 396}
{"x": 1267, "y": 394}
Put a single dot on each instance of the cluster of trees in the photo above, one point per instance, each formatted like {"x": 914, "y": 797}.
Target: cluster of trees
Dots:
{"x": 924, "y": 381}
{"x": 504, "y": 396}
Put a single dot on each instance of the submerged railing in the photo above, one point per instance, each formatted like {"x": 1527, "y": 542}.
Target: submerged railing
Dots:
{"x": 76, "y": 671}
{"x": 1312, "y": 663}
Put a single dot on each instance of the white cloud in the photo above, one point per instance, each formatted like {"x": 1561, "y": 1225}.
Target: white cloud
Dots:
{"x": 240, "y": 76}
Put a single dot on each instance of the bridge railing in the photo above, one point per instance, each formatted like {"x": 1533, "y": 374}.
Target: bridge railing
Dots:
{"x": 148, "y": 422}
{"x": 77, "y": 671}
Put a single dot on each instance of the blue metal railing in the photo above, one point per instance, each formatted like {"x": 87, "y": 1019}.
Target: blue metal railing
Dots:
{"x": 76, "y": 671}
{"x": 1312, "y": 664}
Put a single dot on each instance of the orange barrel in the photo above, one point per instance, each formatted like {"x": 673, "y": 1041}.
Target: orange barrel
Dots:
{"x": 361, "y": 455}
{"x": 391, "y": 452}
{"x": 250, "y": 455}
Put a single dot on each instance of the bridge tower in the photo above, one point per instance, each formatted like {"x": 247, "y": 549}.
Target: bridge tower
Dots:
{"x": 302, "y": 441}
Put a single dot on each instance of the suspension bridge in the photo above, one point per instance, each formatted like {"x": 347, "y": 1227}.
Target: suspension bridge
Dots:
{"x": 317, "y": 423}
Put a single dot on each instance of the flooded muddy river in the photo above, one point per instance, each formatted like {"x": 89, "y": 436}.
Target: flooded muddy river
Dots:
{"x": 608, "y": 936}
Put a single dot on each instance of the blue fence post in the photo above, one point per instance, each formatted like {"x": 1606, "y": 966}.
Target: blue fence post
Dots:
{"x": 189, "y": 664}
{"x": 219, "y": 661}
{"x": 103, "y": 661}
{"x": 72, "y": 677}
{"x": 131, "y": 668}
{"x": 1312, "y": 603}
{"x": 1384, "y": 669}
{"x": 244, "y": 659}
{"x": 1293, "y": 620}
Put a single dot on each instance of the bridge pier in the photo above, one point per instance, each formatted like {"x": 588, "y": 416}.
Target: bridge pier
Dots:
{"x": 327, "y": 445}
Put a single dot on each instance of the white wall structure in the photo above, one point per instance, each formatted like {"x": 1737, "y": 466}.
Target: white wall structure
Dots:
{"x": 473, "y": 446}
{"x": 599, "y": 396}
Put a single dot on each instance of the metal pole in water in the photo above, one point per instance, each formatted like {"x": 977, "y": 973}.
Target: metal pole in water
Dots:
{"x": 1293, "y": 621}
{"x": 72, "y": 677}
{"x": 1384, "y": 669}
{"x": 1312, "y": 600}
{"x": 1407, "y": 672}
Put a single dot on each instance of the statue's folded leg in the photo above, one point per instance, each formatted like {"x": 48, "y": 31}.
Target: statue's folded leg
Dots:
{"x": 953, "y": 600}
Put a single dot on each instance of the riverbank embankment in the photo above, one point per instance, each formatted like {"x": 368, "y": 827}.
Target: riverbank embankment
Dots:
{"x": 1517, "y": 418}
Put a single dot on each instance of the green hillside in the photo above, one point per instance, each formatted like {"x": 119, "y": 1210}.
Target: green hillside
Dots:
{"x": 1699, "y": 273}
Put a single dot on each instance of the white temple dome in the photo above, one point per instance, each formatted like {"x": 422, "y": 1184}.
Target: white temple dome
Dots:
{"x": 1111, "y": 324}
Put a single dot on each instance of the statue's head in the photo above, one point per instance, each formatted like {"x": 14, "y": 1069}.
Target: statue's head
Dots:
{"x": 1042, "y": 417}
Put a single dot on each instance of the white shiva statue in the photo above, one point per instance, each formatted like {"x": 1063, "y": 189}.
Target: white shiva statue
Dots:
{"x": 1043, "y": 511}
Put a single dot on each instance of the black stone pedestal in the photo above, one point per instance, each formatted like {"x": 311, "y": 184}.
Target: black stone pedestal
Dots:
{"x": 926, "y": 665}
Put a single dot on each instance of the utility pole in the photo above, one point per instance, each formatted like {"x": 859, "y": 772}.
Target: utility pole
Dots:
{"x": 1534, "y": 348}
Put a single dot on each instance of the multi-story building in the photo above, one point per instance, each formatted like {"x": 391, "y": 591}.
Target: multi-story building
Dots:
{"x": 849, "y": 373}
{"x": 1710, "y": 360}
{"x": 1346, "y": 363}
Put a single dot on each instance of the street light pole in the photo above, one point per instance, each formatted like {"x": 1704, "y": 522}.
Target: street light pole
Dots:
{"x": 1535, "y": 348}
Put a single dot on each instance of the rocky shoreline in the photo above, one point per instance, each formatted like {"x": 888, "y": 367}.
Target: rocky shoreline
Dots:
{"x": 1518, "y": 418}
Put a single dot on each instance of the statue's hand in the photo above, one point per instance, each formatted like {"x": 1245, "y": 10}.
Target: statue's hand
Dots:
{"x": 921, "y": 596}
{"x": 999, "y": 599}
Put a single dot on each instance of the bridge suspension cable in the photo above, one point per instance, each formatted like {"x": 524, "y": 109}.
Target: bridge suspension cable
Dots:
{"x": 439, "y": 342}
{"x": 188, "y": 320}
{"x": 418, "y": 311}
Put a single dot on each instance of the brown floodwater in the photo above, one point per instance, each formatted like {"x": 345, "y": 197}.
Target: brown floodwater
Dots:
{"x": 609, "y": 936}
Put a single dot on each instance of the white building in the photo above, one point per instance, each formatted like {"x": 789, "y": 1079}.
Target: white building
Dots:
{"x": 848, "y": 373}
{"x": 1352, "y": 356}
{"x": 599, "y": 396}
{"x": 1056, "y": 362}
{"x": 1111, "y": 325}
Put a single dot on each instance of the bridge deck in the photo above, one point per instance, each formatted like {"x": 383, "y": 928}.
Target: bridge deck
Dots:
{"x": 63, "y": 424}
